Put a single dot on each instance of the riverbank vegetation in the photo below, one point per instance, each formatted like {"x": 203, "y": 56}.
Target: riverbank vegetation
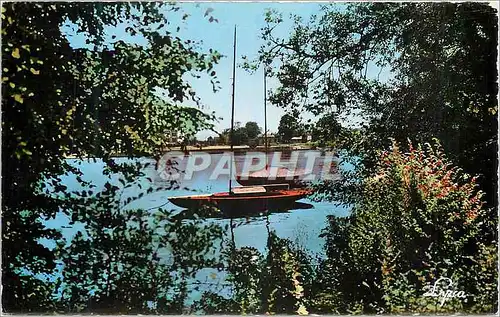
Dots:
{"x": 423, "y": 77}
{"x": 412, "y": 72}
{"x": 96, "y": 100}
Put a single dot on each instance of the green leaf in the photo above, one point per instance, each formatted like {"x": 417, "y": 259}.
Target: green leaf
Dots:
{"x": 18, "y": 98}
{"x": 15, "y": 53}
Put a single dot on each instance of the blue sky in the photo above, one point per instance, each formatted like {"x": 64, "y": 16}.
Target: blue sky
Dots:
{"x": 249, "y": 19}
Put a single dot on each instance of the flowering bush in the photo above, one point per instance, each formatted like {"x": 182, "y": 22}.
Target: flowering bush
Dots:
{"x": 416, "y": 222}
{"x": 418, "y": 219}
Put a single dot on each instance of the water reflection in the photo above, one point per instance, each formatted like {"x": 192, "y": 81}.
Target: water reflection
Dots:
{"x": 304, "y": 220}
{"x": 211, "y": 212}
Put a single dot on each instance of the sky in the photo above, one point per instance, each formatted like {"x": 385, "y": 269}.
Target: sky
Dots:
{"x": 249, "y": 88}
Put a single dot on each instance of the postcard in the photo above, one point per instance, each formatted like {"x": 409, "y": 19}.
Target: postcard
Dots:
{"x": 264, "y": 158}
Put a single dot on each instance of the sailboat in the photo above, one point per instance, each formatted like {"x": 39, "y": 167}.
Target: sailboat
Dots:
{"x": 244, "y": 200}
{"x": 270, "y": 175}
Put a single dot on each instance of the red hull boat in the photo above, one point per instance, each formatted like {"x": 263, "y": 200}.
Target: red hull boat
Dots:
{"x": 244, "y": 200}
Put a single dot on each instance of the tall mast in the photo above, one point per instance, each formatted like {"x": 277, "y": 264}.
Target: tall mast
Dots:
{"x": 232, "y": 113}
{"x": 265, "y": 114}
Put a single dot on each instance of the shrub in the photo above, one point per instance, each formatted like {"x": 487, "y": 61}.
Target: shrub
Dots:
{"x": 418, "y": 219}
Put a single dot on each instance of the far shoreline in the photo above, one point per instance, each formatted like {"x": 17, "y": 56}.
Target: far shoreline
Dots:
{"x": 217, "y": 149}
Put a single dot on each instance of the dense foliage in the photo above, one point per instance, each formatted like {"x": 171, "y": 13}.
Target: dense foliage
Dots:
{"x": 98, "y": 101}
{"x": 272, "y": 283}
{"x": 418, "y": 70}
{"x": 253, "y": 129}
{"x": 328, "y": 130}
{"x": 421, "y": 71}
{"x": 290, "y": 126}
{"x": 416, "y": 219}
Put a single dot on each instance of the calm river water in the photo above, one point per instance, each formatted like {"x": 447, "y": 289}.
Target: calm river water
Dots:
{"x": 302, "y": 226}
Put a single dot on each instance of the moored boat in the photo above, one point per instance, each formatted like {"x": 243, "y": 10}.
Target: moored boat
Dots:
{"x": 244, "y": 200}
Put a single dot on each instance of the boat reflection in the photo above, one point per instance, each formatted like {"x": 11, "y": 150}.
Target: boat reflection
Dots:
{"x": 299, "y": 205}
{"x": 212, "y": 212}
